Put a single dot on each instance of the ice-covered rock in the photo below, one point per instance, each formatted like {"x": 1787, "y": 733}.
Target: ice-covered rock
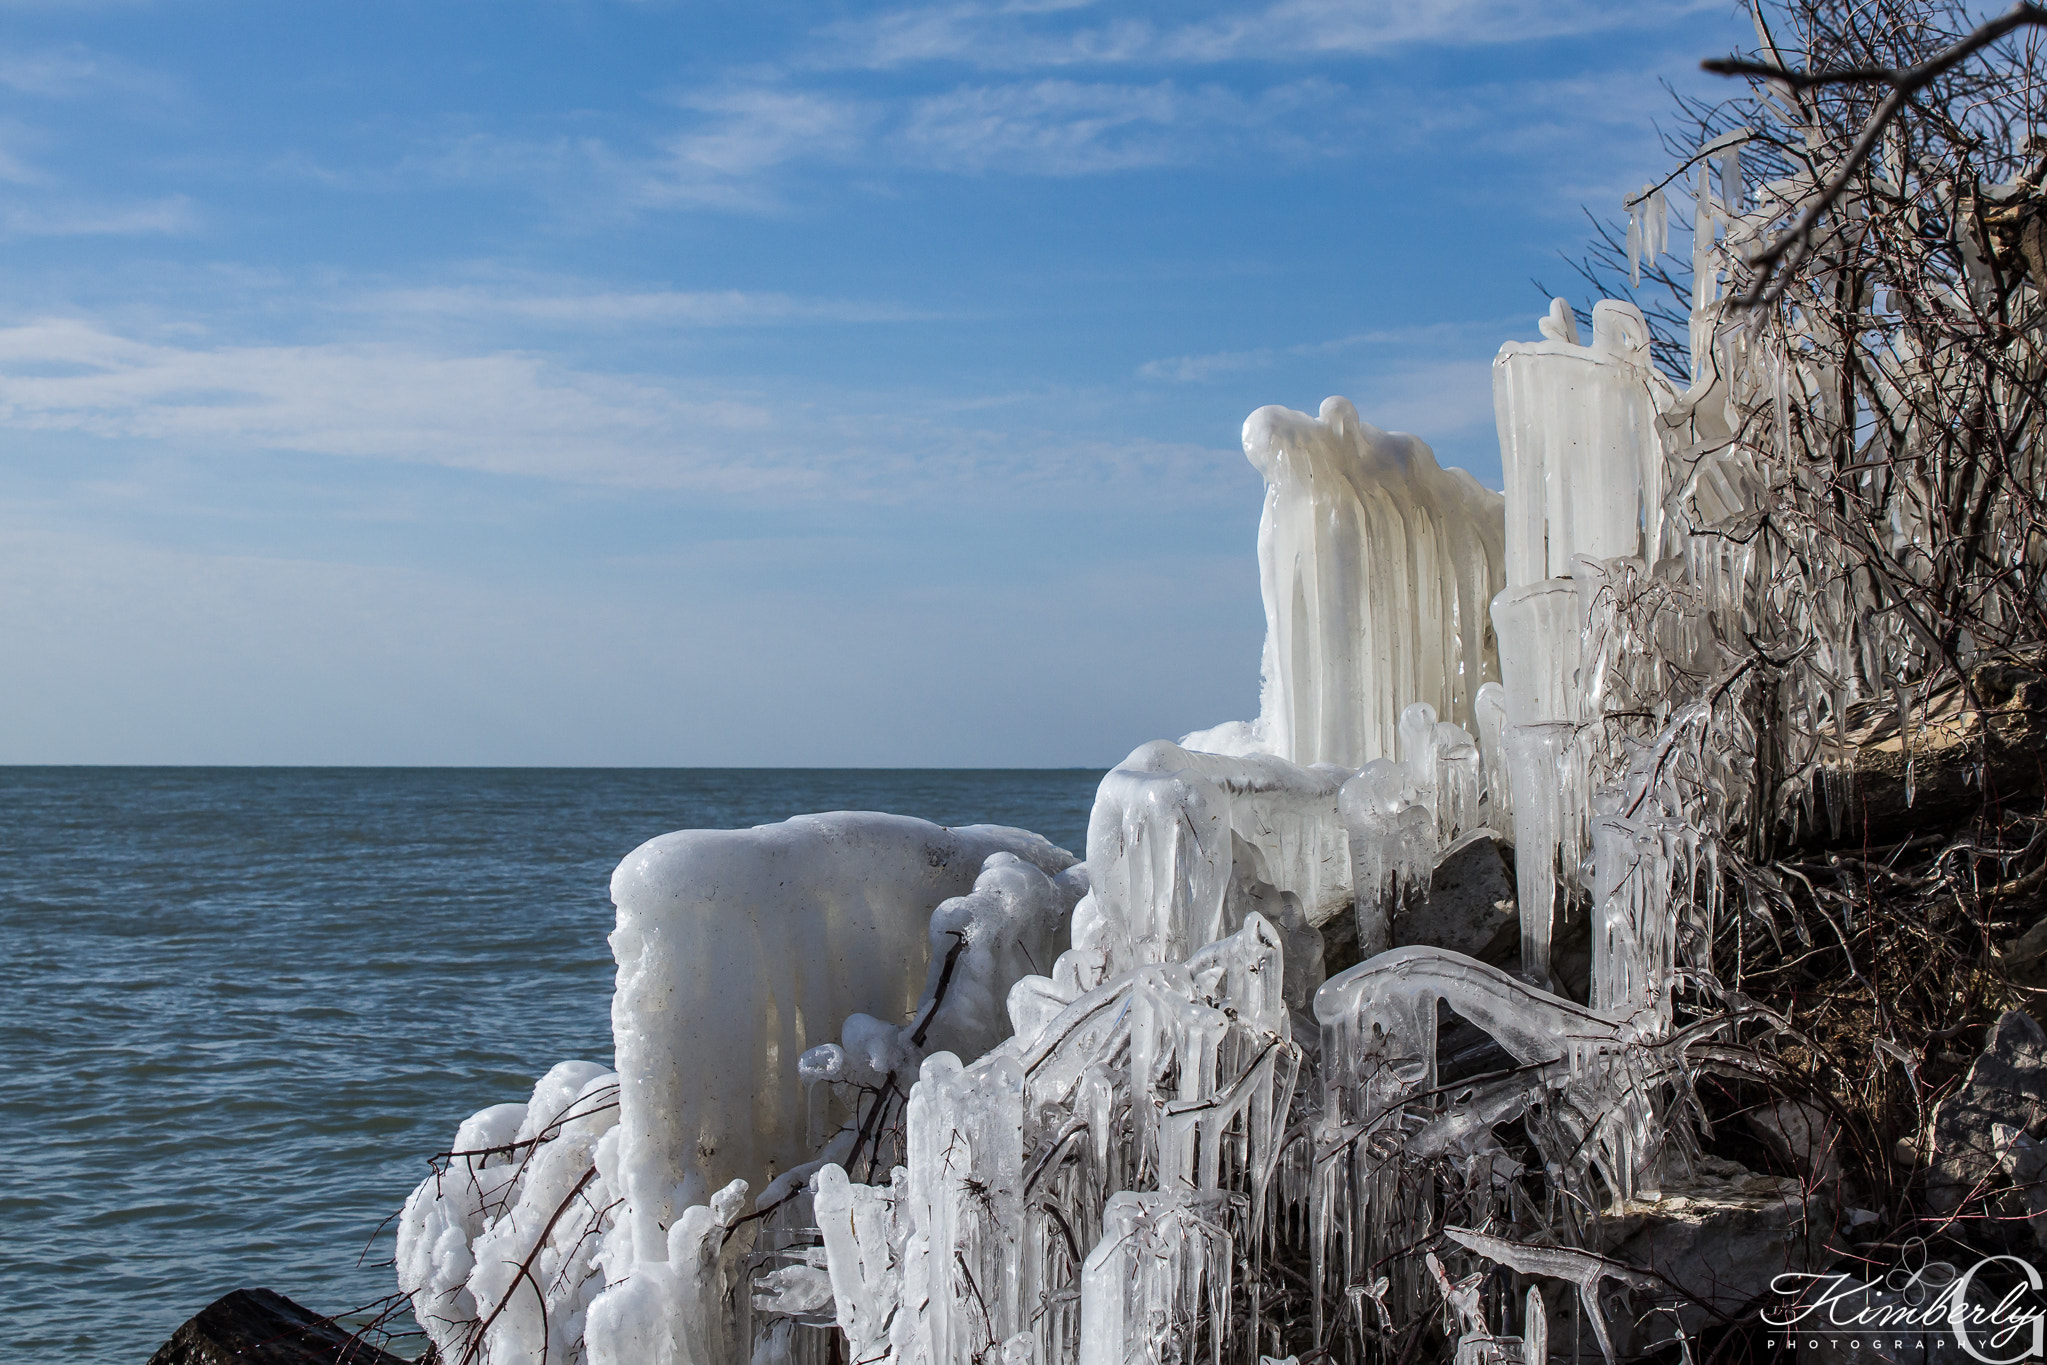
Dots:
{"x": 737, "y": 951}
{"x": 964, "y": 1101}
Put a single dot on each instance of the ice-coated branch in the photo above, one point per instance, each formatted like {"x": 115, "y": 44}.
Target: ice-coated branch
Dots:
{"x": 1902, "y": 82}
{"x": 1581, "y": 1268}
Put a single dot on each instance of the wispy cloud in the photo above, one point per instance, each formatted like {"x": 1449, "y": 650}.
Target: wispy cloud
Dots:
{"x": 746, "y": 149}
{"x": 75, "y": 70}
{"x": 1432, "y": 337}
{"x": 1434, "y": 399}
{"x": 525, "y": 416}
{"x": 742, "y": 134}
{"x": 170, "y": 214}
{"x": 614, "y": 308}
{"x": 1027, "y": 37}
{"x": 1063, "y": 127}
{"x": 505, "y": 413}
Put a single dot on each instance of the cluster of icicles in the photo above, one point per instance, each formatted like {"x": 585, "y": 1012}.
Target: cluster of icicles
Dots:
{"x": 891, "y": 1093}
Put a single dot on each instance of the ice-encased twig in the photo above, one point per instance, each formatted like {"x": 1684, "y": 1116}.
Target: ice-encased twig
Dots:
{"x": 1581, "y": 1268}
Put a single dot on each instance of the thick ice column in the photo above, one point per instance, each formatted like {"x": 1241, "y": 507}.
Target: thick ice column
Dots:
{"x": 1491, "y": 707}
{"x": 1540, "y": 764}
{"x": 1458, "y": 777}
{"x": 1540, "y": 627}
{"x": 1376, "y": 566}
{"x": 1156, "y": 1288}
{"x": 1578, "y": 443}
{"x": 861, "y": 1228}
{"x": 1584, "y": 467}
{"x": 1418, "y": 754}
{"x": 966, "y": 1194}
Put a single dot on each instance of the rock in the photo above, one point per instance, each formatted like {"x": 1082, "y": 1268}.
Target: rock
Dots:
{"x": 1960, "y": 758}
{"x": 2025, "y": 1161}
{"x": 262, "y": 1327}
{"x": 1717, "y": 1240}
{"x": 1469, "y": 909}
{"x": 2026, "y": 956}
{"x": 1800, "y": 1135}
{"x": 2006, "y": 1085}
{"x": 1470, "y": 905}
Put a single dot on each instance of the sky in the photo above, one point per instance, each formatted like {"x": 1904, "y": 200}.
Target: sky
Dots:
{"x": 623, "y": 382}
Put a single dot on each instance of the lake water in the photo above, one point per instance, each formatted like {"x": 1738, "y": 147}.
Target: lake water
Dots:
{"x": 239, "y": 1007}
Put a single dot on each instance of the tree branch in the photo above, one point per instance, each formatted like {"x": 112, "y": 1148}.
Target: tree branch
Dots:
{"x": 1904, "y": 82}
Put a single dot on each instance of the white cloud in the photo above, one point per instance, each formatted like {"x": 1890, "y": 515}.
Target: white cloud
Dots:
{"x": 522, "y": 415}
{"x": 504, "y": 413}
{"x": 1365, "y": 27}
{"x": 745, "y": 133}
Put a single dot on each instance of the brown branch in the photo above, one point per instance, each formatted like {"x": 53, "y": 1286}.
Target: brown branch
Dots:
{"x": 525, "y": 1270}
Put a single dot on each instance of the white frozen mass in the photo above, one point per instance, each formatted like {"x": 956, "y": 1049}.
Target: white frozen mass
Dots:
{"x": 894, "y": 1093}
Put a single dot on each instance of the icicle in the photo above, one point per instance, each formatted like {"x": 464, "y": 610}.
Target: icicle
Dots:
{"x": 1634, "y": 207}
{"x": 1457, "y": 774}
{"x": 1537, "y": 758}
{"x": 1418, "y": 755}
{"x": 1491, "y": 707}
{"x": 1732, "y": 193}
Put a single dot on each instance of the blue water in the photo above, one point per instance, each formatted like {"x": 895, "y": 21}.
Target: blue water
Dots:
{"x": 239, "y": 1007}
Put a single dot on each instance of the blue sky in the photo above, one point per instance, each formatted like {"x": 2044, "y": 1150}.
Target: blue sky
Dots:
{"x": 584, "y": 381}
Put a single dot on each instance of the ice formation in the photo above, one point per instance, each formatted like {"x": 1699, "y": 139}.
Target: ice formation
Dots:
{"x": 1377, "y": 566}
{"x": 949, "y": 1097}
